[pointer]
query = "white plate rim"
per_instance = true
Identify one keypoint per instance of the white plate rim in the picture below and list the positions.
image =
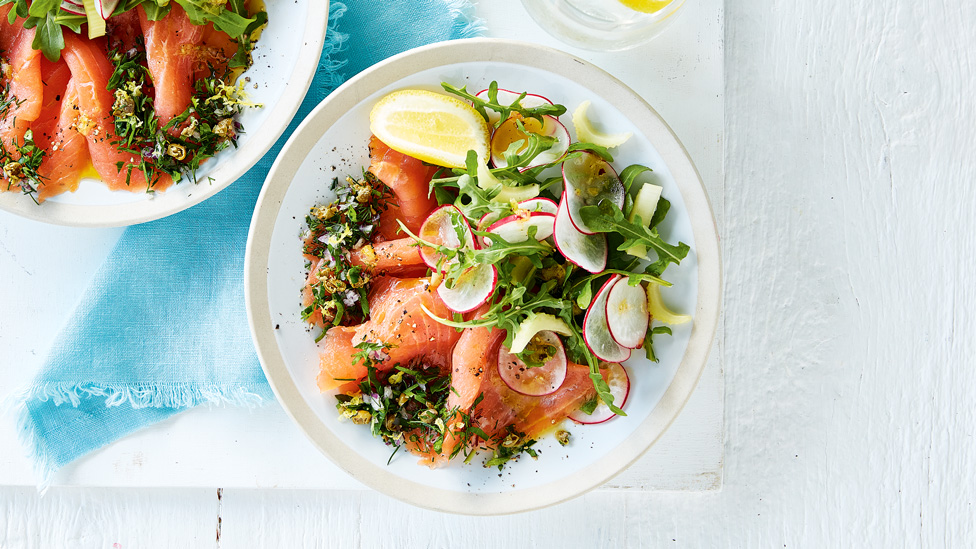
(258, 144)
(706, 245)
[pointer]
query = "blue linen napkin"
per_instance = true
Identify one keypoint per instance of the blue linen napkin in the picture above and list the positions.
(162, 327)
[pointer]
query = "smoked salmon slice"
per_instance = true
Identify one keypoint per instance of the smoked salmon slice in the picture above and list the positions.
(54, 81)
(25, 92)
(8, 32)
(399, 257)
(476, 351)
(91, 69)
(396, 318)
(394, 257)
(409, 179)
(170, 44)
(532, 415)
(68, 153)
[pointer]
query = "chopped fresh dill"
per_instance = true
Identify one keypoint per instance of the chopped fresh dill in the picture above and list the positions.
(23, 171)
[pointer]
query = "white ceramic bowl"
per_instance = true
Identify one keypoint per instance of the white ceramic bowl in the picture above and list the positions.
(332, 142)
(285, 60)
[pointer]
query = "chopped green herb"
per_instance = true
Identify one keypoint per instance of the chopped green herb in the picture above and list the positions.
(23, 171)
(339, 288)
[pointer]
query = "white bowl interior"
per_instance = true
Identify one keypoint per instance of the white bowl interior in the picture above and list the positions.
(333, 143)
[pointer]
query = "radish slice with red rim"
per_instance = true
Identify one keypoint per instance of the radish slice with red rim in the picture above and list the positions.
(540, 204)
(73, 8)
(627, 315)
(587, 251)
(471, 289)
(619, 382)
(515, 228)
(508, 133)
(589, 180)
(105, 7)
(507, 97)
(441, 227)
(596, 332)
(540, 380)
(487, 220)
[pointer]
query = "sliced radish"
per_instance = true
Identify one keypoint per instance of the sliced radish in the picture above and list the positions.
(540, 204)
(104, 8)
(627, 315)
(587, 251)
(596, 332)
(619, 383)
(73, 8)
(440, 228)
(538, 381)
(508, 133)
(515, 228)
(487, 220)
(589, 180)
(506, 98)
(471, 289)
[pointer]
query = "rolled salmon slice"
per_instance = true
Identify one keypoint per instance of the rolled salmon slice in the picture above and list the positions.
(54, 81)
(25, 90)
(475, 351)
(396, 318)
(68, 155)
(409, 179)
(91, 69)
(170, 55)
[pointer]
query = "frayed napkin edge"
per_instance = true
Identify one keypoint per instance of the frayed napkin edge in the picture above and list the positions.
(177, 395)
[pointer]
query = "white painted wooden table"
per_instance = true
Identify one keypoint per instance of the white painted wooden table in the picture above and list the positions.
(846, 211)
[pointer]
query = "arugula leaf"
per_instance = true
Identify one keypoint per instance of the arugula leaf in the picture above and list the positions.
(607, 218)
(585, 296)
(48, 38)
(505, 111)
(663, 205)
(630, 173)
(649, 341)
(40, 8)
(202, 12)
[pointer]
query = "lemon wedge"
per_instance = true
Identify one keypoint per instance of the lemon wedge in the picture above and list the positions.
(660, 311)
(430, 126)
(587, 133)
(646, 6)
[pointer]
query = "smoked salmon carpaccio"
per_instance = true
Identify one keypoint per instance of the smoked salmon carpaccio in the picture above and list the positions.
(71, 115)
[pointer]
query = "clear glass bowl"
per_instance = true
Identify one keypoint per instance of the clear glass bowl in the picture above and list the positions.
(603, 25)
